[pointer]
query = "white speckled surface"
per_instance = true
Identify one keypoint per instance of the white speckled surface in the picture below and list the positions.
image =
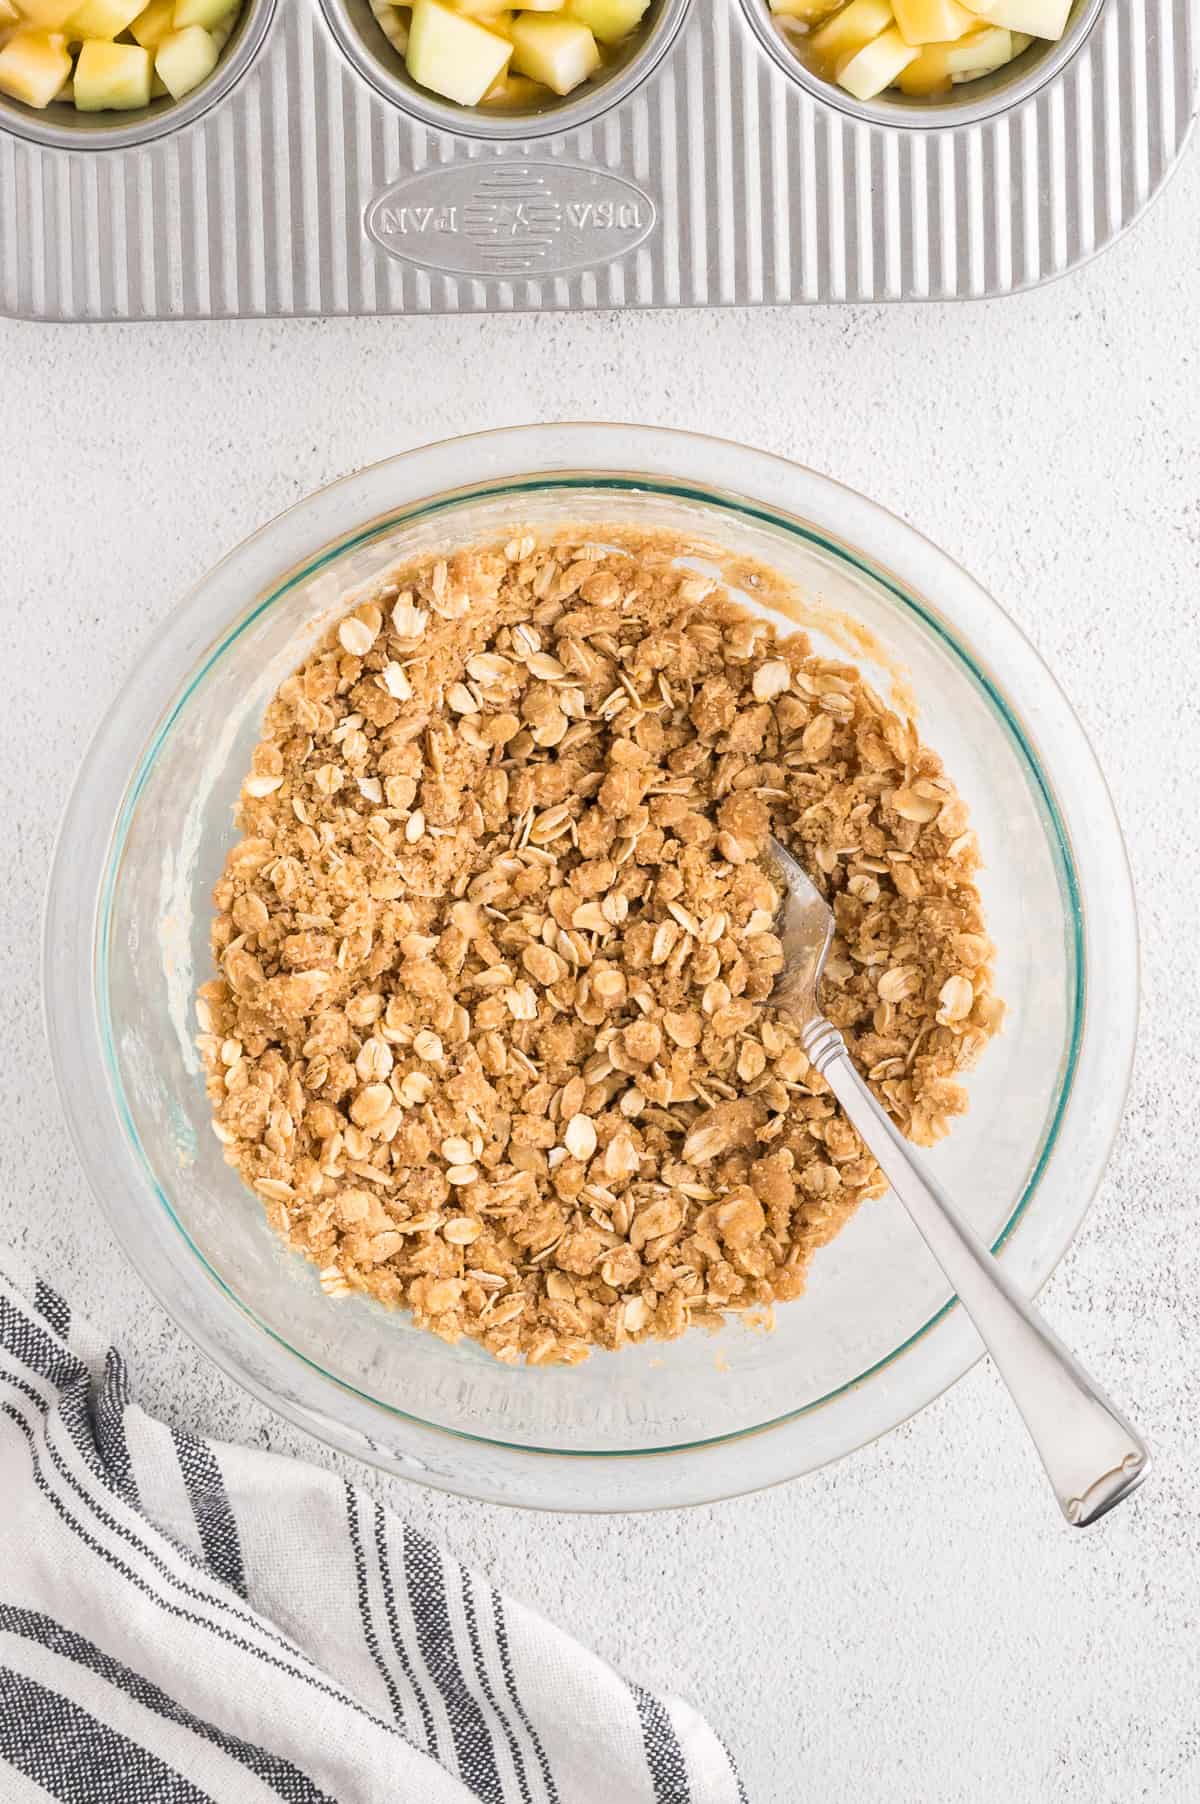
(914, 1626)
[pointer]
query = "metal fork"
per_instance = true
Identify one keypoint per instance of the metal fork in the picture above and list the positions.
(1093, 1457)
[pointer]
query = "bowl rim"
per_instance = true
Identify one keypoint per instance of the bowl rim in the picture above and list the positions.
(591, 102)
(1004, 97)
(92, 802)
(149, 126)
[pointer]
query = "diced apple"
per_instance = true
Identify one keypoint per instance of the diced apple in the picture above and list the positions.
(103, 18)
(849, 30)
(512, 91)
(807, 11)
(875, 67)
(927, 74)
(452, 55)
(1040, 18)
(979, 53)
(932, 21)
(199, 12)
(609, 21)
(185, 59)
(33, 67)
(996, 61)
(112, 77)
(154, 23)
(560, 53)
(495, 21)
(43, 15)
(939, 65)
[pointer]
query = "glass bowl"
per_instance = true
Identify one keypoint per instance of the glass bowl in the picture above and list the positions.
(875, 1338)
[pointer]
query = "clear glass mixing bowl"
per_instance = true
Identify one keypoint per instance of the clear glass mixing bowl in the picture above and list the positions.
(875, 1338)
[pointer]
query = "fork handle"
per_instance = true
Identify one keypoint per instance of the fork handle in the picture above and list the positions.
(1092, 1455)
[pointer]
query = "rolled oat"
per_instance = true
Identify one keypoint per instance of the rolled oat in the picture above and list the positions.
(491, 1038)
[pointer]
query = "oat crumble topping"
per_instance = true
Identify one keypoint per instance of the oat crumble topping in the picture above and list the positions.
(491, 1038)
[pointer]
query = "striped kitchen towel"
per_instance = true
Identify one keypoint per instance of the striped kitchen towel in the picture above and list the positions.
(184, 1621)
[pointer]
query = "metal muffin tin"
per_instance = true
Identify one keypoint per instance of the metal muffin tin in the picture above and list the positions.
(306, 190)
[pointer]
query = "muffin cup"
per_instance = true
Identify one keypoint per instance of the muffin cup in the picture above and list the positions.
(60, 127)
(970, 103)
(361, 39)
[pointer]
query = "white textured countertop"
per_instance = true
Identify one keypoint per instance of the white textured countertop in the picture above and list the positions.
(914, 1626)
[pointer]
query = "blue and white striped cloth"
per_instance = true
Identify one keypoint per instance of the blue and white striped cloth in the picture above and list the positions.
(184, 1622)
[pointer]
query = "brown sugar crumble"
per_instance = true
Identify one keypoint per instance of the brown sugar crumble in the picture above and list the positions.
(491, 1038)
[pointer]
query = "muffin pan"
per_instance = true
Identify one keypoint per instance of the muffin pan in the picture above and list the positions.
(701, 174)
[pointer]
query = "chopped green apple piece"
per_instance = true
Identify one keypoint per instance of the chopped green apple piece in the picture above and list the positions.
(42, 15)
(103, 18)
(112, 76)
(154, 23)
(199, 12)
(939, 65)
(847, 31)
(932, 21)
(980, 53)
(1039, 18)
(185, 59)
(452, 55)
(806, 11)
(609, 21)
(927, 74)
(560, 53)
(33, 67)
(875, 67)
(393, 24)
(513, 91)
